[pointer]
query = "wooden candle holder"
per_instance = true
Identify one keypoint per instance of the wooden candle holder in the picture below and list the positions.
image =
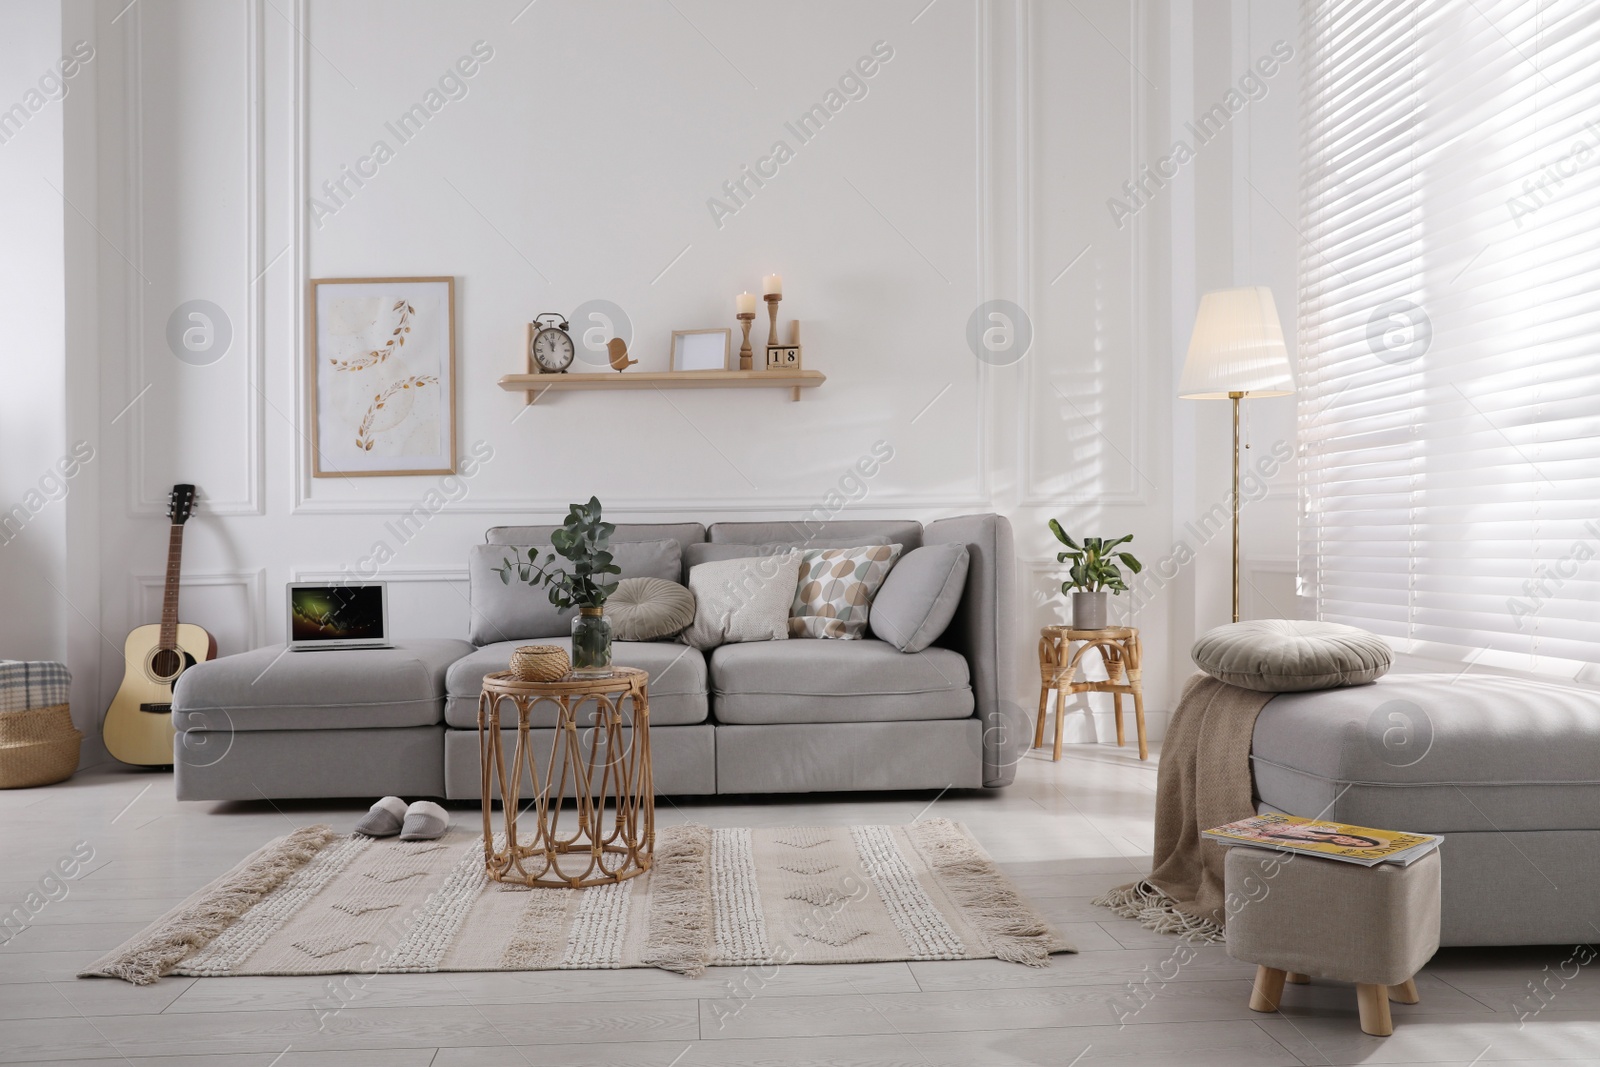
(772, 300)
(746, 318)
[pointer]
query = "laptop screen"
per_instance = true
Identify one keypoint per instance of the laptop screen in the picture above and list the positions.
(336, 613)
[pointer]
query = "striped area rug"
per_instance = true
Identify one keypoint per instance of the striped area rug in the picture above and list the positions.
(316, 903)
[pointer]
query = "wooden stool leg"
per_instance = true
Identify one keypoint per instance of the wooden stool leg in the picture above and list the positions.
(1296, 978)
(1267, 992)
(1116, 707)
(1061, 720)
(1044, 706)
(1405, 992)
(1373, 1001)
(1138, 721)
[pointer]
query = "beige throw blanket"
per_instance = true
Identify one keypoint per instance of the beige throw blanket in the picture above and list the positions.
(1204, 781)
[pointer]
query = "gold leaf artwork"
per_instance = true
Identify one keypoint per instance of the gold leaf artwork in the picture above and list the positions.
(397, 339)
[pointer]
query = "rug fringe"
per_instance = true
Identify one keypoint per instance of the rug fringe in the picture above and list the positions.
(988, 900)
(193, 925)
(1156, 911)
(680, 901)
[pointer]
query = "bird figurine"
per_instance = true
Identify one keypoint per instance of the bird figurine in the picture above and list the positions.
(618, 350)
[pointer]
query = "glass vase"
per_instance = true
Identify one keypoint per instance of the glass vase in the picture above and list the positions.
(591, 644)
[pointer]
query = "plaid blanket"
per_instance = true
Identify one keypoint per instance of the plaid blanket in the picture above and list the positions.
(32, 684)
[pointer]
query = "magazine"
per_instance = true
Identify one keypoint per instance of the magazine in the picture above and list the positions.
(1330, 840)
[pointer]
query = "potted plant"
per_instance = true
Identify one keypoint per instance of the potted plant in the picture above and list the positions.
(1094, 571)
(582, 542)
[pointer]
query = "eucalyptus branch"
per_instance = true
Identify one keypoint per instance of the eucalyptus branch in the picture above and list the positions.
(582, 541)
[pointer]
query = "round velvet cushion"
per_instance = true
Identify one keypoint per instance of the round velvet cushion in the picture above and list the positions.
(1288, 656)
(648, 609)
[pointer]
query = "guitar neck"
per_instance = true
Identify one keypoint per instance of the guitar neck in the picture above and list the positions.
(169, 600)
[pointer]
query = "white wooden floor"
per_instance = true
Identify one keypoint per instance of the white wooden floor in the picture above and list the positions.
(1064, 832)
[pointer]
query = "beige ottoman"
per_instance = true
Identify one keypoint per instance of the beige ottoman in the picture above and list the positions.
(1295, 915)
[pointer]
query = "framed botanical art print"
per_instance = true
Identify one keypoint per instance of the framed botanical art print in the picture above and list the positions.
(383, 376)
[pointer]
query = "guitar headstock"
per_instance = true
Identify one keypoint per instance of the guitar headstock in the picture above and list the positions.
(180, 504)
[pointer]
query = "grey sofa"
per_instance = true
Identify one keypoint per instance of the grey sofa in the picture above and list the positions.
(1503, 768)
(782, 716)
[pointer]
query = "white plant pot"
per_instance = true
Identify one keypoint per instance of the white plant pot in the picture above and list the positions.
(1089, 610)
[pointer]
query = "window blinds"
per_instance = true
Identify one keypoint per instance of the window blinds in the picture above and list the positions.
(1449, 322)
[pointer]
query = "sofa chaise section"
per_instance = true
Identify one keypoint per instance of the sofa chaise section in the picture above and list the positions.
(276, 724)
(1508, 770)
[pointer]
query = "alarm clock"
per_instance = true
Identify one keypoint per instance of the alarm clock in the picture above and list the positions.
(550, 348)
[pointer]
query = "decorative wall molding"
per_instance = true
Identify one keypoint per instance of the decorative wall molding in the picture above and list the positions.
(1135, 492)
(253, 336)
(932, 505)
(451, 575)
(254, 584)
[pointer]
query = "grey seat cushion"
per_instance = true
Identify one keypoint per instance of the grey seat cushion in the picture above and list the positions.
(1435, 753)
(1291, 656)
(920, 596)
(677, 680)
(340, 689)
(836, 681)
(504, 611)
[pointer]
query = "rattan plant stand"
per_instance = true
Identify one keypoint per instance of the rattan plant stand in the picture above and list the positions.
(1058, 670)
(599, 757)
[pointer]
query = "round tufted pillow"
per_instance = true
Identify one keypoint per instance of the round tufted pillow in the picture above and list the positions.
(648, 609)
(1288, 656)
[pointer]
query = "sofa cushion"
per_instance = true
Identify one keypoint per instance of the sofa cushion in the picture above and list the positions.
(836, 681)
(503, 611)
(1291, 655)
(677, 680)
(649, 609)
(920, 596)
(1435, 753)
(844, 533)
(742, 600)
(326, 689)
(836, 590)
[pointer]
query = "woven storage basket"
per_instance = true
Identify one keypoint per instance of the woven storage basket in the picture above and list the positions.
(37, 746)
(540, 663)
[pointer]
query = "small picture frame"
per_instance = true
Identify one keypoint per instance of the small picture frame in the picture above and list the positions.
(702, 349)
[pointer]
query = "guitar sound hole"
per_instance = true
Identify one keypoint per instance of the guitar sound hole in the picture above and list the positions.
(166, 663)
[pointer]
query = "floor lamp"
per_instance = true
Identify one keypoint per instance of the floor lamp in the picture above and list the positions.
(1235, 353)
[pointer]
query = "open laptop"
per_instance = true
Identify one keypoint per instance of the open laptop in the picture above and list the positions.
(338, 615)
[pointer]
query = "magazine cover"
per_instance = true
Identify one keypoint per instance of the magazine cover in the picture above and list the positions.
(1331, 840)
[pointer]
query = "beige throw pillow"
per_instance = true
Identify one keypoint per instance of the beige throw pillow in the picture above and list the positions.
(836, 588)
(649, 609)
(742, 600)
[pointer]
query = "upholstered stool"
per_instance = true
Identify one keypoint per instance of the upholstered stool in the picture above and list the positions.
(1298, 915)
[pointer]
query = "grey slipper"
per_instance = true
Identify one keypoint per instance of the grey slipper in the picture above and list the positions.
(384, 819)
(425, 821)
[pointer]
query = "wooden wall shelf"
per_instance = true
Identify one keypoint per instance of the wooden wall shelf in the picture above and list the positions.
(537, 385)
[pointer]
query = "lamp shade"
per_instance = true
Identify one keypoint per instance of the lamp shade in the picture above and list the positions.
(1237, 347)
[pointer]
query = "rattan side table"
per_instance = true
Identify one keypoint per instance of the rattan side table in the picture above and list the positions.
(1058, 670)
(599, 756)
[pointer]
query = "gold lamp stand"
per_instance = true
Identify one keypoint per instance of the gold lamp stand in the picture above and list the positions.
(1236, 352)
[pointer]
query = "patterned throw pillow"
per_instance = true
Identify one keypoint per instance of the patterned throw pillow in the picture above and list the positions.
(836, 590)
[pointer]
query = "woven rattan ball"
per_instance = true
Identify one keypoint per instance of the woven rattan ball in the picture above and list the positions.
(540, 663)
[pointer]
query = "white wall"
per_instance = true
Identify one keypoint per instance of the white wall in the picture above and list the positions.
(32, 335)
(578, 165)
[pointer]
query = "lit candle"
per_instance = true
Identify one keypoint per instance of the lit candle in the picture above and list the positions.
(772, 285)
(747, 303)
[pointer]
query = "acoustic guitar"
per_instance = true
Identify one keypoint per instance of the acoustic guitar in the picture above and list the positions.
(138, 726)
